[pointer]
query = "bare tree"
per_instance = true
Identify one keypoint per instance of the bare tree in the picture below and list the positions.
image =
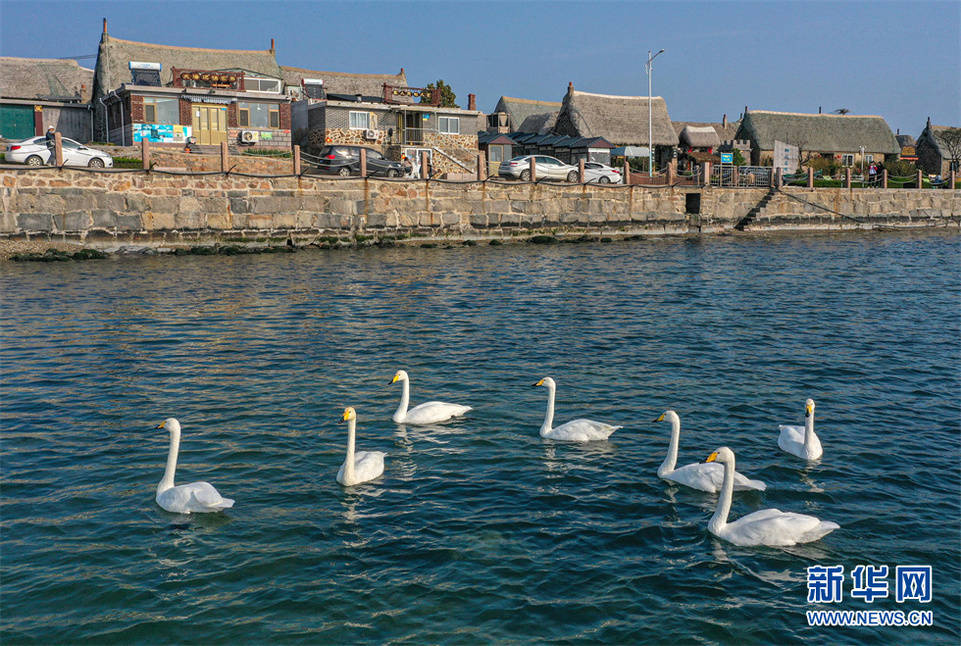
(951, 142)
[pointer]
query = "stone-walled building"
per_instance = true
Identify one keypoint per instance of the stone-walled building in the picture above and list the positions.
(39, 92)
(166, 94)
(844, 138)
(621, 120)
(934, 156)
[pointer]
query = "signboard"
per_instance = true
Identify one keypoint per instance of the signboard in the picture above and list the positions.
(727, 158)
(785, 157)
(160, 133)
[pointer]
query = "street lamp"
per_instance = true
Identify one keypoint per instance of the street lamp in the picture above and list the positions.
(650, 112)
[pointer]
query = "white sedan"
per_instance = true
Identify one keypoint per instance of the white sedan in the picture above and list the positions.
(602, 174)
(34, 152)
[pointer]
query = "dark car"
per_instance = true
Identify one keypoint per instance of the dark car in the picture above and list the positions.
(345, 160)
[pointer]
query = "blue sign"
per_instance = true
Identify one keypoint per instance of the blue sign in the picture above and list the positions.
(727, 158)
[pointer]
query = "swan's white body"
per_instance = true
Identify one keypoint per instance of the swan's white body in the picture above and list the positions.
(578, 430)
(801, 440)
(697, 475)
(358, 466)
(196, 497)
(426, 413)
(771, 527)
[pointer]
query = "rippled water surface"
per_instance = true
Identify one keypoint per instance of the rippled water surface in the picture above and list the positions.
(479, 531)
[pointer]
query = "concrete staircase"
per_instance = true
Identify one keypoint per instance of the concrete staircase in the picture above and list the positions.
(753, 213)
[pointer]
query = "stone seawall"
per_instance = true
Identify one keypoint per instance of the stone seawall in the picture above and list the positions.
(52, 208)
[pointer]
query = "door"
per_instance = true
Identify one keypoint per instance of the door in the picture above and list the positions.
(74, 154)
(413, 128)
(210, 124)
(16, 122)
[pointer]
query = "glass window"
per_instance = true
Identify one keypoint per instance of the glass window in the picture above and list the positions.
(847, 160)
(449, 125)
(359, 120)
(258, 115)
(496, 153)
(258, 84)
(869, 158)
(156, 110)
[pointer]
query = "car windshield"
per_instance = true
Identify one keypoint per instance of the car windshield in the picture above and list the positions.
(592, 165)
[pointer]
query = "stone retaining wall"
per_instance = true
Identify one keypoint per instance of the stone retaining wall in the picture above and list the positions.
(104, 209)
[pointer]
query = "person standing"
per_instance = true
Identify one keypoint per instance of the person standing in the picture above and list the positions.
(51, 141)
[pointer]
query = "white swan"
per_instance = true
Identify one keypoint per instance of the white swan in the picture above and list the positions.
(196, 497)
(426, 413)
(697, 475)
(771, 527)
(578, 430)
(801, 440)
(359, 466)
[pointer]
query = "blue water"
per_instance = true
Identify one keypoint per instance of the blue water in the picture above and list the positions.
(479, 531)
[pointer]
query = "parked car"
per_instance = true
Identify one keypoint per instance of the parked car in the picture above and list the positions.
(34, 152)
(546, 168)
(601, 173)
(345, 161)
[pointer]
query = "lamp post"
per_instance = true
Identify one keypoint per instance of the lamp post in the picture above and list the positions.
(650, 112)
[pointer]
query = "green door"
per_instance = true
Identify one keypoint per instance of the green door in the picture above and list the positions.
(16, 122)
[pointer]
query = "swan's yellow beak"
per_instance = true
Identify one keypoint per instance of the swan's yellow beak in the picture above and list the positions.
(539, 383)
(660, 419)
(808, 410)
(394, 380)
(348, 412)
(712, 457)
(161, 425)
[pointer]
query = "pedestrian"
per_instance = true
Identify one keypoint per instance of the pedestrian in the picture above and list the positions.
(414, 168)
(872, 172)
(51, 141)
(408, 167)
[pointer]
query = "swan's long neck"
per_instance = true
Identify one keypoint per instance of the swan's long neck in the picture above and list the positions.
(168, 479)
(351, 439)
(808, 431)
(719, 520)
(670, 461)
(549, 415)
(401, 411)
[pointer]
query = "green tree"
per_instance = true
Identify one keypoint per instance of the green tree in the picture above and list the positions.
(447, 96)
(739, 158)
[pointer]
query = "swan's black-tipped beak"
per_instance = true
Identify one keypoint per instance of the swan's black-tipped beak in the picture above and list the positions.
(711, 458)
(160, 425)
(660, 418)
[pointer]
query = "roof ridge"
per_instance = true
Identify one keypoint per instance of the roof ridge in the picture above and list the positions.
(192, 49)
(537, 101)
(815, 114)
(616, 96)
(366, 74)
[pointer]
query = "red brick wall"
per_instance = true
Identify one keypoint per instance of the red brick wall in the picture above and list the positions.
(285, 116)
(136, 109)
(186, 116)
(232, 115)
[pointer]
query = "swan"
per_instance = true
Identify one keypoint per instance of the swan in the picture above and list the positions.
(771, 527)
(199, 497)
(578, 430)
(801, 441)
(359, 466)
(697, 475)
(426, 413)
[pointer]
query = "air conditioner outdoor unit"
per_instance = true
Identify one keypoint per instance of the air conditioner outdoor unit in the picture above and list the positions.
(249, 136)
(370, 134)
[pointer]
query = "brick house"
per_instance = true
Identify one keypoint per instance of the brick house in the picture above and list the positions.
(165, 94)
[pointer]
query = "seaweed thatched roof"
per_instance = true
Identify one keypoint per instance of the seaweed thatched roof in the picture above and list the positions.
(50, 79)
(622, 120)
(818, 132)
(699, 137)
(539, 123)
(343, 82)
(518, 110)
(932, 135)
(114, 56)
(724, 132)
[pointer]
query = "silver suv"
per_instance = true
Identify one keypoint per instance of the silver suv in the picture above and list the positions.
(546, 168)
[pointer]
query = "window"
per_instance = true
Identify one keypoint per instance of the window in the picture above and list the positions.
(359, 120)
(847, 160)
(258, 84)
(869, 158)
(496, 153)
(449, 125)
(161, 110)
(258, 115)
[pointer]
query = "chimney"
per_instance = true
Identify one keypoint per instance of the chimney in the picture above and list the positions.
(899, 131)
(929, 122)
(104, 26)
(402, 71)
(271, 45)
(724, 121)
(745, 111)
(570, 87)
(819, 109)
(471, 102)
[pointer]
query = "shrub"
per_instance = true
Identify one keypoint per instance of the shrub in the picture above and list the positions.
(901, 168)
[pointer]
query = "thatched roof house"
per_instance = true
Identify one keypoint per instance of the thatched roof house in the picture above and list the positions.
(621, 120)
(934, 152)
(699, 137)
(539, 123)
(518, 110)
(47, 79)
(344, 83)
(726, 130)
(830, 134)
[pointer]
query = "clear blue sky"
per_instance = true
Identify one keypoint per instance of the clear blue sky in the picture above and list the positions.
(901, 60)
